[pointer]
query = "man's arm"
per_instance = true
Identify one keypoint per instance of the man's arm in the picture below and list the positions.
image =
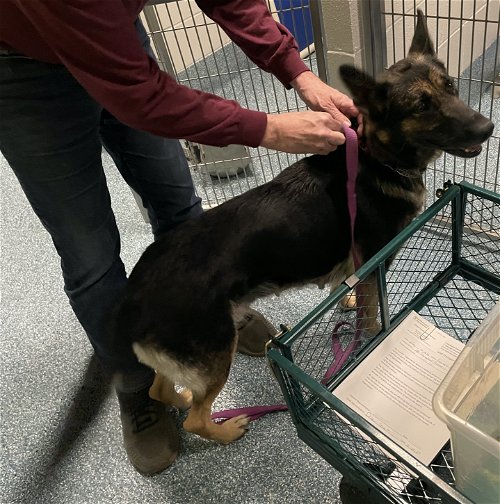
(96, 40)
(250, 25)
(271, 46)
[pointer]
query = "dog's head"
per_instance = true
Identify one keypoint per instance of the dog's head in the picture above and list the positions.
(415, 103)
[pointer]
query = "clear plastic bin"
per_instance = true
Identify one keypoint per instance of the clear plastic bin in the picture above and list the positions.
(468, 401)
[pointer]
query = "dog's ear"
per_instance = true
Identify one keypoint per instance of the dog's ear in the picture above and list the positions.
(368, 95)
(421, 43)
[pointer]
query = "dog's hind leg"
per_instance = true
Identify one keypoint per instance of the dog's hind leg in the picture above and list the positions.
(163, 390)
(199, 419)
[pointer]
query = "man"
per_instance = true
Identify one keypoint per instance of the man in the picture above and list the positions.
(76, 75)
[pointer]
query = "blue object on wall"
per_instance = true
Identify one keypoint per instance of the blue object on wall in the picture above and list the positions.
(296, 16)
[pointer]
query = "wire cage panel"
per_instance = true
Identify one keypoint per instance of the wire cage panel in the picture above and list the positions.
(201, 56)
(448, 270)
(467, 39)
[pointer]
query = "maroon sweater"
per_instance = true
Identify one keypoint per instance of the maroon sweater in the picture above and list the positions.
(97, 42)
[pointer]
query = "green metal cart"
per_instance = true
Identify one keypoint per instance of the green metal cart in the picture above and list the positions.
(448, 270)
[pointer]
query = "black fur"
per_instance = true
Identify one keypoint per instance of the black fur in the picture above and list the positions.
(295, 228)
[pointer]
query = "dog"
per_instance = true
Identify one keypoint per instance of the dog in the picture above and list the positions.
(179, 305)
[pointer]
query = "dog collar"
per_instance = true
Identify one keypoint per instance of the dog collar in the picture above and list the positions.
(402, 172)
(363, 145)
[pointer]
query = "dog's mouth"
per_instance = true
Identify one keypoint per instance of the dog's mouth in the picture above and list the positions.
(468, 152)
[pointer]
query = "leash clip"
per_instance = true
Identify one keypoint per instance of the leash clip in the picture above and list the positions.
(352, 281)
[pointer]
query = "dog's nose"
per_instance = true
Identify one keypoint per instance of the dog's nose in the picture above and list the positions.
(482, 128)
(488, 130)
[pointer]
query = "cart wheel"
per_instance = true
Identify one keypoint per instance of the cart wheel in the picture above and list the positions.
(357, 493)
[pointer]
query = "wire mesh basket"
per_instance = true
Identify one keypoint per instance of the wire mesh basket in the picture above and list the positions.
(447, 268)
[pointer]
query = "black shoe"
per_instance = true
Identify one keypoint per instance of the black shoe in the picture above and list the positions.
(150, 434)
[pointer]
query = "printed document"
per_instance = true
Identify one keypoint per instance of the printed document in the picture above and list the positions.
(393, 387)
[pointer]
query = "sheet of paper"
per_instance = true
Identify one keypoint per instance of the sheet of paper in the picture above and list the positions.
(393, 387)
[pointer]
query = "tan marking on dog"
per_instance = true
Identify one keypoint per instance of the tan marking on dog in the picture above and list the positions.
(163, 390)
(420, 87)
(383, 136)
(436, 77)
(411, 125)
(199, 419)
(416, 196)
(367, 303)
(418, 58)
(169, 367)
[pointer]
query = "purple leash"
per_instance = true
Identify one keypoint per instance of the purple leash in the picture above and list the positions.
(340, 355)
(351, 140)
(254, 412)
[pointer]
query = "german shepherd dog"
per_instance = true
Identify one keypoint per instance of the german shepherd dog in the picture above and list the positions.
(178, 307)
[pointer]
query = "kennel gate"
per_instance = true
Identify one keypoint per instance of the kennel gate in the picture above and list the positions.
(195, 50)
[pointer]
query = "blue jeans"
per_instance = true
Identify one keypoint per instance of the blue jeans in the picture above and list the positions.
(52, 133)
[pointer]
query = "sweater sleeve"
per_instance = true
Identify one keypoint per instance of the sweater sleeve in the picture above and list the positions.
(97, 42)
(266, 42)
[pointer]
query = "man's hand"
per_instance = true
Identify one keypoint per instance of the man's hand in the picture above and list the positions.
(303, 133)
(321, 97)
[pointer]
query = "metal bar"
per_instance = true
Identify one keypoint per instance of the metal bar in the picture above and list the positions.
(474, 176)
(479, 275)
(457, 225)
(486, 15)
(393, 33)
(378, 36)
(157, 38)
(383, 301)
(318, 31)
(286, 382)
(481, 192)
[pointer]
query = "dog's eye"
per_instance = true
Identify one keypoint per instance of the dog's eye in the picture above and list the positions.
(449, 85)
